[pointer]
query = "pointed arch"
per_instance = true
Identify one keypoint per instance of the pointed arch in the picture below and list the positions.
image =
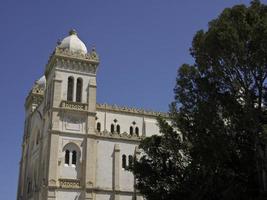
(137, 131)
(131, 130)
(118, 129)
(98, 126)
(70, 88)
(112, 128)
(124, 161)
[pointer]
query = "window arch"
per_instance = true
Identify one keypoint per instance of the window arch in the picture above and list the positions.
(98, 126)
(131, 130)
(118, 129)
(124, 161)
(72, 154)
(112, 128)
(67, 157)
(74, 158)
(70, 88)
(137, 131)
(79, 87)
(130, 160)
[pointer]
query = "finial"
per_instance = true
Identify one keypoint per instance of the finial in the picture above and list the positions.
(93, 48)
(72, 32)
(58, 41)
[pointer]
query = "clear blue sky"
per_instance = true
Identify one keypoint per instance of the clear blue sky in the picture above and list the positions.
(141, 44)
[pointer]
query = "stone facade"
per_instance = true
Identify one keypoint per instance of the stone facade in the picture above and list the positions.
(74, 148)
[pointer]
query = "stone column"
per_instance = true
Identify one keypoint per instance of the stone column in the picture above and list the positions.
(54, 137)
(116, 171)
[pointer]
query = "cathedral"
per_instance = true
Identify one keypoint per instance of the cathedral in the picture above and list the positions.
(74, 148)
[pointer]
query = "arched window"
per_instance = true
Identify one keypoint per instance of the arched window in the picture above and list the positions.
(67, 157)
(98, 126)
(124, 161)
(130, 160)
(79, 87)
(29, 187)
(118, 128)
(74, 158)
(37, 138)
(70, 89)
(112, 128)
(131, 130)
(137, 131)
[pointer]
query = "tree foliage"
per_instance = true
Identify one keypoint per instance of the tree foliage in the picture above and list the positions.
(219, 110)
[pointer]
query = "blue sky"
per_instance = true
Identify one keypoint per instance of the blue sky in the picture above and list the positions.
(141, 44)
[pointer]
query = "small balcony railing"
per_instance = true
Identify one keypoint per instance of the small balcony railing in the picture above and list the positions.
(74, 105)
(69, 183)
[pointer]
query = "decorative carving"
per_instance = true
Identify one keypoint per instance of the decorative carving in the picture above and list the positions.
(130, 110)
(52, 182)
(74, 105)
(69, 183)
(123, 135)
(73, 60)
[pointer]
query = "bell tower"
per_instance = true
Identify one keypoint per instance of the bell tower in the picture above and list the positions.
(69, 115)
(70, 107)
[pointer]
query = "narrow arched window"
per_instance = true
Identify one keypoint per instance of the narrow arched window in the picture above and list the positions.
(79, 90)
(67, 157)
(124, 161)
(131, 130)
(112, 128)
(70, 89)
(29, 187)
(130, 160)
(37, 138)
(74, 158)
(118, 128)
(98, 126)
(137, 131)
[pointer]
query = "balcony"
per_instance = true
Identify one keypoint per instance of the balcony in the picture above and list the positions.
(74, 105)
(69, 183)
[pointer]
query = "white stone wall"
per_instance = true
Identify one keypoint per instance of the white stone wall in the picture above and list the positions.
(147, 125)
(68, 195)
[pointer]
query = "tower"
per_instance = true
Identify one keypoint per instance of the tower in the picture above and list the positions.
(68, 92)
(74, 148)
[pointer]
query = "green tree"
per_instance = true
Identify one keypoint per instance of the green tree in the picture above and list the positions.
(219, 110)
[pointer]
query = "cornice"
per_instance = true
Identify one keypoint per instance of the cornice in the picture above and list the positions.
(74, 61)
(128, 110)
(102, 135)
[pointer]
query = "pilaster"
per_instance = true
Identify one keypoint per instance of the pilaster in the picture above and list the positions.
(53, 160)
(116, 171)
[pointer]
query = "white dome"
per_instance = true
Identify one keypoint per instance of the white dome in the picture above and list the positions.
(73, 43)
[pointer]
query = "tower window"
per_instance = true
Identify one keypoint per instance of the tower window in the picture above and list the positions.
(137, 131)
(67, 157)
(131, 130)
(118, 129)
(130, 160)
(124, 161)
(74, 157)
(98, 126)
(112, 128)
(70, 89)
(79, 90)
